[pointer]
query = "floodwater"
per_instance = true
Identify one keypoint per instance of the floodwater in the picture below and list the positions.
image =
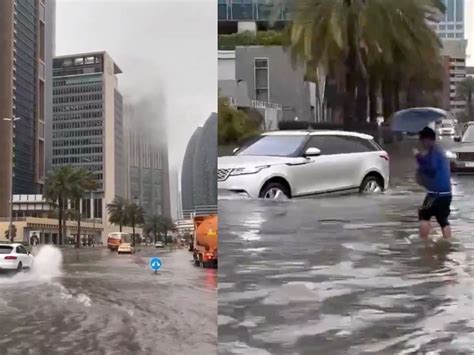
(346, 275)
(97, 302)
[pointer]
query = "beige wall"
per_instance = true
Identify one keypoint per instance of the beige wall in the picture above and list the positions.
(49, 225)
(6, 102)
(110, 83)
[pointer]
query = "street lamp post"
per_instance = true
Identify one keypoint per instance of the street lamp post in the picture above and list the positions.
(12, 121)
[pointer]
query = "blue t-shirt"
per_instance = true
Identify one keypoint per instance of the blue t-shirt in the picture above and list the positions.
(434, 167)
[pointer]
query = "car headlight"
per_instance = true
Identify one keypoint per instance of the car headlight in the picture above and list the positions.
(248, 171)
(451, 155)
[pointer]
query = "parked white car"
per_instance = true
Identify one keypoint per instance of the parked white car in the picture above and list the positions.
(461, 156)
(447, 128)
(15, 257)
(159, 244)
(287, 164)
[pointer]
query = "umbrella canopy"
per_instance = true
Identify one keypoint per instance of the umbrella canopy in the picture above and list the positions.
(413, 120)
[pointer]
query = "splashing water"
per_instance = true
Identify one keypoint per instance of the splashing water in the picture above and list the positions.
(48, 263)
(46, 266)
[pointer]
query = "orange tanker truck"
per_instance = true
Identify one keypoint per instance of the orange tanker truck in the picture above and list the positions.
(205, 241)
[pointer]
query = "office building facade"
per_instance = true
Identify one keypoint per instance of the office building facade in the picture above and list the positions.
(453, 54)
(251, 15)
(87, 129)
(24, 57)
(199, 171)
(451, 23)
(148, 168)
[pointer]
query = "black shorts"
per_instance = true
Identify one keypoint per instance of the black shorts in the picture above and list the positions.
(436, 206)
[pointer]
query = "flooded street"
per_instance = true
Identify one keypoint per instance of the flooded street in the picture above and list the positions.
(104, 303)
(346, 275)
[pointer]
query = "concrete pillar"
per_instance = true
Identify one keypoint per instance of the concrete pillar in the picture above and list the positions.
(6, 103)
(92, 208)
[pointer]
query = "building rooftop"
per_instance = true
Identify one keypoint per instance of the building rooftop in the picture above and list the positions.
(117, 69)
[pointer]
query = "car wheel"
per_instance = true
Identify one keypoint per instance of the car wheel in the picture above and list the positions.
(371, 185)
(19, 267)
(275, 191)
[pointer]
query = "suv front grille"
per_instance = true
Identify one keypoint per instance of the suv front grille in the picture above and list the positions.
(223, 174)
(466, 156)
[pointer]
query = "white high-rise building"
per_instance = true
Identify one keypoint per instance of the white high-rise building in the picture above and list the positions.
(87, 128)
(451, 23)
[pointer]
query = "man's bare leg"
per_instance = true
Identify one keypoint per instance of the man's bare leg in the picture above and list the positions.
(425, 228)
(446, 232)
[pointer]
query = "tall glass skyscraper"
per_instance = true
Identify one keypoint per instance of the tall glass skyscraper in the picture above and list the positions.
(451, 24)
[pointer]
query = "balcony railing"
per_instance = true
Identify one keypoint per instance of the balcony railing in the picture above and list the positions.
(265, 105)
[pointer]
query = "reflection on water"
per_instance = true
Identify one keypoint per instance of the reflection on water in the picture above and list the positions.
(345, 275)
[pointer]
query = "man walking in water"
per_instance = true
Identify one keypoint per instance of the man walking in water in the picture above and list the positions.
(435, 176)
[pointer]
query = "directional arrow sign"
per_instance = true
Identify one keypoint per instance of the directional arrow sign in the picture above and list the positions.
(155, 264)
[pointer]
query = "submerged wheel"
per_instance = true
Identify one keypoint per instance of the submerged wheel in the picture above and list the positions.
(19, 267)
(371, 185)
(275, 191)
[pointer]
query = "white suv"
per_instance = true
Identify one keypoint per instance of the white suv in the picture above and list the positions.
(286, 164)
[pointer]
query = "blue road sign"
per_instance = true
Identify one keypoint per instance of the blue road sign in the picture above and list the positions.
(155, 264)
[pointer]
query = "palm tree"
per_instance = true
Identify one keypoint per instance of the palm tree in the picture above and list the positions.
(61, 185)
(86, 183)
(465, 89)
(117, 212)
(135, 216)
(166, 225)
(360, 36)
(152, 225)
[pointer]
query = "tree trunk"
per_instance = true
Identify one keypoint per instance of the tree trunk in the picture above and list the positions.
(373, 99)
(133, 233)
(469, 104)
(60, 221)
(387, 95)
(362, 100)
(396, 96)
(78, 239)
(351, 70)
(120, 227)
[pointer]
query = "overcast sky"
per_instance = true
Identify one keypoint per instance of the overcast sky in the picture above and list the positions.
(167, 49)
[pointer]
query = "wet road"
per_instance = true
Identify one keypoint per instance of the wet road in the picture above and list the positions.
(104, 303)
(346, 275)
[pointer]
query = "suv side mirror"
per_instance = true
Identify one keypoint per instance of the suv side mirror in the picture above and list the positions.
(457, 139)
(312, 152)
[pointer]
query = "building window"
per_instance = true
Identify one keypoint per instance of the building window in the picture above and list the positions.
(42, 13)
(242, 10)
(262, 79)
(41, 71)
(459, 10)
(222, 9)
(265, 11)
(450, 10)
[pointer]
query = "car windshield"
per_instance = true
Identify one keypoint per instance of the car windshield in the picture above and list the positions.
(5, 249)
(278, 146)
(468, 136)
(446, 125)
